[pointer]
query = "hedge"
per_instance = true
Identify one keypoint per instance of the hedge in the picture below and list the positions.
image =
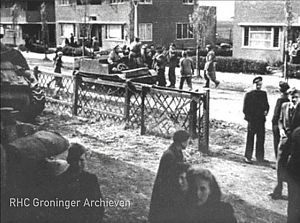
(74, 51)
(294, 70)
(237, 65)
(203, 53)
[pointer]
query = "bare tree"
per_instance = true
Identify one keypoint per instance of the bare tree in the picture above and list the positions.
(45, 31)
(15, 13)
(289, 20)
(199, 21)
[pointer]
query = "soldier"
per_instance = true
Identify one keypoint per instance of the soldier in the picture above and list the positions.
(285, 130)
(172, 58)
(256, 107)
(160, 65)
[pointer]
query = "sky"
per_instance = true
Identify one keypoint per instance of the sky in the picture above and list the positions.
(225, 9)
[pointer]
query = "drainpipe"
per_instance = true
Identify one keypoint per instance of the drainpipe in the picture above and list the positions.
(135, 4)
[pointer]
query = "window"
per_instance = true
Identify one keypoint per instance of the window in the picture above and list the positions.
(64, 2)
(145, 2)
(184, 31)
(66, 30)
(116, 1)
(33, 6)
(261, 36)
(188, 2)
(145, 31)
(114, 32)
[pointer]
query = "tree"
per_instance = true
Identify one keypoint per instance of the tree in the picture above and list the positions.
(200, 22)
(289, 20)
(45, 31)
(15, 13)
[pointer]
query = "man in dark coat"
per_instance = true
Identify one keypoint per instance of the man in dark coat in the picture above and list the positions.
(285, 129)
(166, 187)
(293, 168)
(256, 107)
(283, 98)
(77, 184)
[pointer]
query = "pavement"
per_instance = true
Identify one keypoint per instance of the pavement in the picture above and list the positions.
(226, 101)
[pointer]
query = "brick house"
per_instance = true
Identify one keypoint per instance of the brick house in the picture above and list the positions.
(28, 20)
(258, 31)
(112, 21)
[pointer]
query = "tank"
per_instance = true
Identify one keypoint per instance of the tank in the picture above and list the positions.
(19, 87)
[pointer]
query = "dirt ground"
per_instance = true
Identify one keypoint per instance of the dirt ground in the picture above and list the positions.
(126, 163)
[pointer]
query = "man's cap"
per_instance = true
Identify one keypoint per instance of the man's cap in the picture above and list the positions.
(283, 86)
(75, 152)
(257, 79)
(59, 53)
(209, 46)
(145, 46)
(293, 91)
(181, 136)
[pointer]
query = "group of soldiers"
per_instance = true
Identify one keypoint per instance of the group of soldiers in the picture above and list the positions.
(143, 55)
(286, 130)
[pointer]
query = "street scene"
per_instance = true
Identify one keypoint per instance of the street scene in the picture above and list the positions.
(150, 111)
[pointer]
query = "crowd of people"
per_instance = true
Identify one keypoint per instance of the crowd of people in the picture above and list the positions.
(143, 55)
(286, 128)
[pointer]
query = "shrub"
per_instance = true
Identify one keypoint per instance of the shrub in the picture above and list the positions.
(294, 70)
(74, 51)
(236, 65)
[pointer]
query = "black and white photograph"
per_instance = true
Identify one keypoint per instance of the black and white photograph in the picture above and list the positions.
(150, 111)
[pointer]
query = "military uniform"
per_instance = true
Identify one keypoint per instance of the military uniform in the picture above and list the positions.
(256, 107)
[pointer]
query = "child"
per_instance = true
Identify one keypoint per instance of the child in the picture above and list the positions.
(204, 199)
(186, 70)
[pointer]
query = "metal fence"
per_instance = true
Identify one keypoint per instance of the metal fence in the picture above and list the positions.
(157, 111)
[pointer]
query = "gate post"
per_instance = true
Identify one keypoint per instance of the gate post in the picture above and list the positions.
(127, 103)
(193, 117)
(143, 127)
(206, 119)
(75, 95)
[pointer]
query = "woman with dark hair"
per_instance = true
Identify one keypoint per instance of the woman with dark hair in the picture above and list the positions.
(204, 203)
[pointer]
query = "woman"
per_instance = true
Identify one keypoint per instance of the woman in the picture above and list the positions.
(204, 203)
(284, 97)
(167, 189)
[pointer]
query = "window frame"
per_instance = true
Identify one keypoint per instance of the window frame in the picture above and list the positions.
(189, 36)
(61, 29)
(146, 2)
(148, 23)
(64, 2)
(116, 2)
(107, 37)
(187, 2)
(271, 40)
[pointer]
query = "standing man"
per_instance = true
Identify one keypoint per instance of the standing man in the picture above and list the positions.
(166, 189)
(186, 70)
(160, 61)
(256, 107)
(284, 97)
(172, 58)
(210, 67)
(285, 130)
(72, 40)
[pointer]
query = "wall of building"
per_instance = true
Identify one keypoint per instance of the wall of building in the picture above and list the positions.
(260, 12)
(105, 13)
(164, 14)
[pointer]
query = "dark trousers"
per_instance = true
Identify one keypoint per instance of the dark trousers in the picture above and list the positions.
(293, 202)
(255, 128)
(282, 160)
(276, 138)
(172, 76)
(161, 77)
(188, 81)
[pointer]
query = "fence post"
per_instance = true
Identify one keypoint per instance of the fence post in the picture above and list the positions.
(206, 114)
(143, 128)
(75, 95)
(127, 103)
(193, 117)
